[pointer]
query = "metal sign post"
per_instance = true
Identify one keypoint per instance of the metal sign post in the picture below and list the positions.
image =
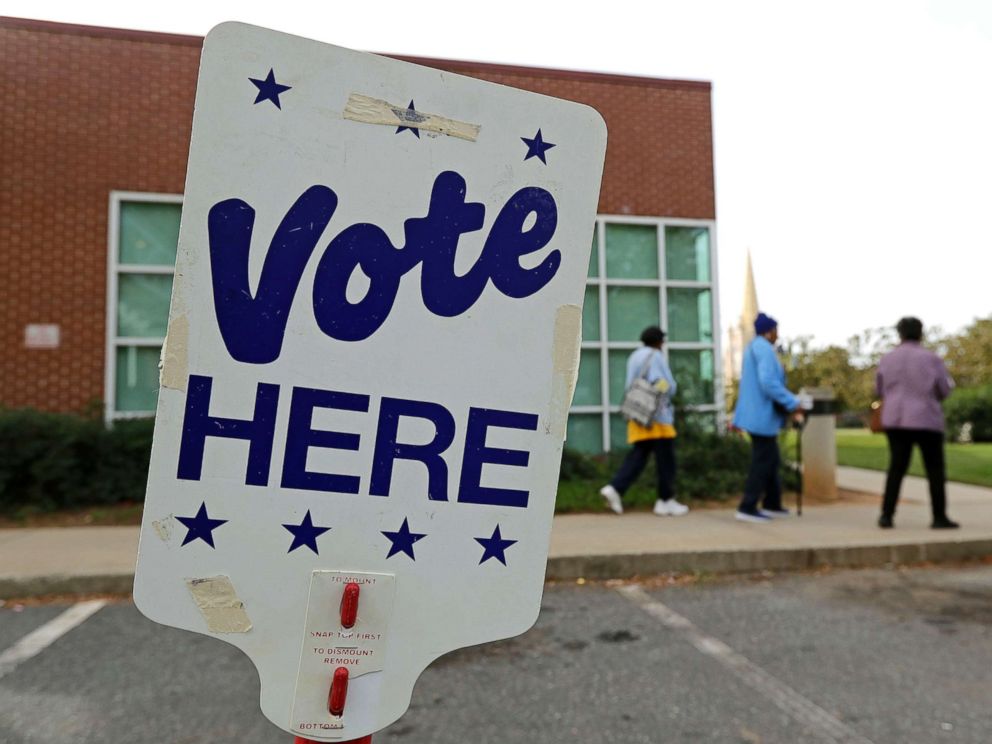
(373, 343)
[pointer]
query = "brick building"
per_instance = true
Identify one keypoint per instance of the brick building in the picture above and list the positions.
(95, 127)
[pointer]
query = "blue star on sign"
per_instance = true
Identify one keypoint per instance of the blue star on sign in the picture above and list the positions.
(403, 540)
(537, 147)
(494, 547)
(305, 533)
(415, 130)
(200, 527)
(269, 89)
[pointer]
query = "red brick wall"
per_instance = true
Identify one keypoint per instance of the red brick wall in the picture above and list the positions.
(80, 116)
(659, 154)
(85, 111)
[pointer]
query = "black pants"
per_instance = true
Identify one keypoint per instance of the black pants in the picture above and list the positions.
(637, 458)
(763, 476)
(901, 443)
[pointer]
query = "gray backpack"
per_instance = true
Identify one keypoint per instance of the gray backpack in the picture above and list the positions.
(642, 399)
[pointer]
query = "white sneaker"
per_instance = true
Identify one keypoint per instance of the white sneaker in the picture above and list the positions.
(670, 508)
(609, 493)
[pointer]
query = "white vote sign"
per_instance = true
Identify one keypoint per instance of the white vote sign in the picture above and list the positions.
(372, 347)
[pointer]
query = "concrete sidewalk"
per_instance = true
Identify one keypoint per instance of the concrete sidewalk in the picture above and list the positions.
(711, 540)
(75, 560)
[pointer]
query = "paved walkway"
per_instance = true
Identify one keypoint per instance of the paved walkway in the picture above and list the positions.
(711, 540)
(597, 546)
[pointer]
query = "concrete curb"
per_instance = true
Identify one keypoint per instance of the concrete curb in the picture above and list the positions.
(618, 566)
(626, 566)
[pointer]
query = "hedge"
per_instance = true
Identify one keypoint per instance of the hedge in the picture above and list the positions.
(970, 406)
(708, 467)
(54, 461)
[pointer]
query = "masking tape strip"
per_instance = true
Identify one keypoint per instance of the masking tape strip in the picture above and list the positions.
(219, 603)
(565, 363)
(174, 365)
(163, 528)
(374, 111)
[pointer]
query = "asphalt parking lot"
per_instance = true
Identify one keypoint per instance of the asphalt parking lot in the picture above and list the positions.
(878, 656)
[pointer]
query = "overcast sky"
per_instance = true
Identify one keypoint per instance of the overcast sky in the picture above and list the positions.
(853, 140)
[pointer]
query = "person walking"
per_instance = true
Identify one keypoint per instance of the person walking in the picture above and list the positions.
(657, 439)
(763, 405)
(912, 382)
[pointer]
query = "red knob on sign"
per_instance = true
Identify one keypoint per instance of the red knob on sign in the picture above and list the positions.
(349, 605)
(339, 691)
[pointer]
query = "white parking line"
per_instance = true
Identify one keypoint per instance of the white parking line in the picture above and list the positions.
(41, 638)
(802, 710)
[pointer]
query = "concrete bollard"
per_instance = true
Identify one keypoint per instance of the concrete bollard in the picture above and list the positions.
(819, 445)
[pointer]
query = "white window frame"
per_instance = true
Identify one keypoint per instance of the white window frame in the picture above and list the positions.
(662, 284)
(114, 269)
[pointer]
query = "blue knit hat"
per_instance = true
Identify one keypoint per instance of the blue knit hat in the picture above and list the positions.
(764, 323)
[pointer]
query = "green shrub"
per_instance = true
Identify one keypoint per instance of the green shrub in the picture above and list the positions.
(577, 466)
(787, 441)
(127, 448)
(708, 467)
(970, 406)
(54, 461)
(711, 466)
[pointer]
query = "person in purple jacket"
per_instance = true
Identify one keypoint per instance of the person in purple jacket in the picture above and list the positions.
(912, 382)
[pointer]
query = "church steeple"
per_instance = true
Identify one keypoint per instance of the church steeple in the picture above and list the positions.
(749, 309)
(740, 334)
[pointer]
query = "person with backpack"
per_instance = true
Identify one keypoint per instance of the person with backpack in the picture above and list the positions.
(656, 436)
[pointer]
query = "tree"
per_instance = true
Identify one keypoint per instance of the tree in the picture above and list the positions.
(969, 354)
(829, 367)
(850, 371)
(866, 348)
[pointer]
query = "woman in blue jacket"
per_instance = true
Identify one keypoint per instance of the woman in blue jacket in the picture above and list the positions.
(762, 386)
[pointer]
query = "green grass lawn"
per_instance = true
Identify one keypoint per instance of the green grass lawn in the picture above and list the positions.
(859, 448)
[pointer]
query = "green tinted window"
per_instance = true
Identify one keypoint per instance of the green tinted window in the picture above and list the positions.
(590, 315)
(631, 251)
(630, 285)
(693, 372)
(690, 314)
(594, 257)
(143, 304)
(137, 378)
(617, 361)
(618, 432)
(687, 253)
(629, 310)
(585, 432)
(587, 389)
(149, 233)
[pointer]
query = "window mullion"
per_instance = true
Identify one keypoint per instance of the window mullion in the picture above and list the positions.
(604, 367)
